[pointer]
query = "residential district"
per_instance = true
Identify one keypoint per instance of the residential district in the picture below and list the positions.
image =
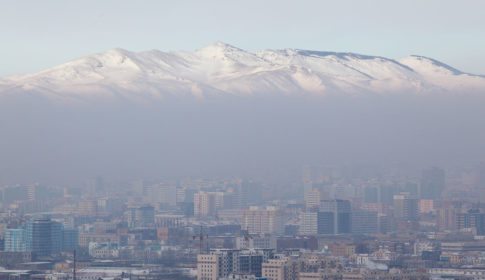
(326, 225)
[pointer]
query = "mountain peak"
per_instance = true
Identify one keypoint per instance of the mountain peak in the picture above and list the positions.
(222, 45)
(218, 49)
(118, 53)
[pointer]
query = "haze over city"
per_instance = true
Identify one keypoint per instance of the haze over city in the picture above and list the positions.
(242, 140)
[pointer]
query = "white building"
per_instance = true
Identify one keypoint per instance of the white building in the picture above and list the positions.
(206, 204)
(308, 223)
(104, 250)
(263, 241)
(269, 220)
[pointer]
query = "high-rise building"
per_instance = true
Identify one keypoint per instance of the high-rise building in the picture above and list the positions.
(232, 199)
(474, 219)
(446, 218)
(478, 180)
(326, 221)
(406, 207)
(386, 194)
(312, 199)
(219, 263)
(110, 205)
(371, 195)
(334, 217)
(426, 206)
(446, 215)
(15, 193)
(70, 239)
(43, 236)
(308, 223)
(412, 188)
(206, 204)
(95, 185)
(88, 207)
(163, 194)
(364, 222)
(432, 183)
(251, 261)
(207, 267)
(15, 240)
(142, 216)
(57, 237)
(267, 220)
(250, 193)
(385, 223)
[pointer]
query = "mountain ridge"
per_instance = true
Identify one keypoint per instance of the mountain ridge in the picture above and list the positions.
(223, 69)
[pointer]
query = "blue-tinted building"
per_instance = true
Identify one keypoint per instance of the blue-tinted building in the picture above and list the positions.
(334, 217)
(70, 239)
(142, 216)
(15, 240)
(43, 237)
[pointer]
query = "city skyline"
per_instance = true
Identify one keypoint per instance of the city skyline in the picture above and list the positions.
(242, 140)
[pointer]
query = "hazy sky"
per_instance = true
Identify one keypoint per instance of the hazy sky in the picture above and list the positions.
(40, 34)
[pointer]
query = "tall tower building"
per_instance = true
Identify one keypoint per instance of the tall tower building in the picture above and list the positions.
(473, 218)
(371, 194)
(447, 214)
(312, 199)
(335, 217)
(406, 207)
(145, 215)
(250, 193)
(364, 222)
(206, 204)
(432, 183)
(308, 223)
(142, 216)
(70, 239)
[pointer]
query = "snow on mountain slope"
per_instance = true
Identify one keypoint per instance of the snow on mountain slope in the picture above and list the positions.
(444, 76)
(346, 71)
(222, 69)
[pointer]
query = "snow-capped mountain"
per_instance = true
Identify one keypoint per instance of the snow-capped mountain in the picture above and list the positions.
(222, 69)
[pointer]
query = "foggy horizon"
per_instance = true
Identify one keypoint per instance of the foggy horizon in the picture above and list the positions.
(244, 137)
